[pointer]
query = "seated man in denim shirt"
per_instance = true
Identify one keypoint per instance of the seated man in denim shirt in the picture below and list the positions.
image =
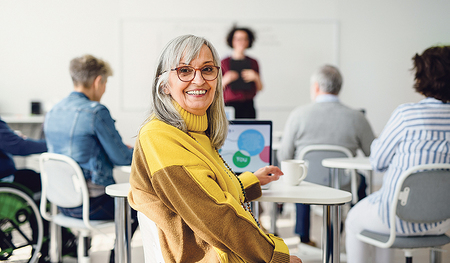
(81, 127)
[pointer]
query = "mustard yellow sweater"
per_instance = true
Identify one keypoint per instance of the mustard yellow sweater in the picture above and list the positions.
(183, 186)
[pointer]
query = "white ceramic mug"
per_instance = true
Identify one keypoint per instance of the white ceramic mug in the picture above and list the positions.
(294, 171)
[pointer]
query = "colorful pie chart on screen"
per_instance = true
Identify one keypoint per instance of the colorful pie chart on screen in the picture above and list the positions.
(247, 147)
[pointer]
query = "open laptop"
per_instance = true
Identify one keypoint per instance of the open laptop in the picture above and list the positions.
(248, 146)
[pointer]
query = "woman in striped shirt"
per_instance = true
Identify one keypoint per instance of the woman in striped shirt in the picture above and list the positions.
(416, 133)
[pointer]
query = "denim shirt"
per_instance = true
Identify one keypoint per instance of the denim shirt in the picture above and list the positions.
(84, 130)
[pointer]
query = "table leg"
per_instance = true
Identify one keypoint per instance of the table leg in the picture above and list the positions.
(331, 234)
(334, 178)
(255, 209)
(122, 219)
(273, 219)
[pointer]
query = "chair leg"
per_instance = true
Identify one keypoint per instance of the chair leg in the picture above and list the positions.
(55, 239)
(435, 255)
(55, 243)
(83, 248)
(408, 256)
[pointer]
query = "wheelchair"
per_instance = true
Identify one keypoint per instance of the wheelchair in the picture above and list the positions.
(21, 225)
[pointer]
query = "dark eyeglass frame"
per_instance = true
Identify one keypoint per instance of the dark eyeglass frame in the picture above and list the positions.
(177, 69)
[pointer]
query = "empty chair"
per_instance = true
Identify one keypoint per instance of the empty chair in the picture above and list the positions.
(421, 196)
(150, 240)
(64, 185)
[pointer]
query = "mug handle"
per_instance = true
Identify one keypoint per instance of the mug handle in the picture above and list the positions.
(304, 173)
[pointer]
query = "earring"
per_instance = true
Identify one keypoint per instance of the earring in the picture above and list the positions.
(166, 91)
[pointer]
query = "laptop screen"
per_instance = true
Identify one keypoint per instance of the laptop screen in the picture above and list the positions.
(248, 146)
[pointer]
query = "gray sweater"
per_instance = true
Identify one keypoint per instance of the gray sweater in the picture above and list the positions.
(325, 123)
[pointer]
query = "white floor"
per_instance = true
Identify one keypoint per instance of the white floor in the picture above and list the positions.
(102, 245)
(308, 254)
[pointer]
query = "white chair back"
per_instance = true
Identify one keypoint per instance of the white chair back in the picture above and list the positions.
(63, 180)
(64, 185)
(150, 240)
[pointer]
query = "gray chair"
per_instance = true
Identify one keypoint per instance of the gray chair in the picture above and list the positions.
(314, 154)
(421, 196)
(64, 185)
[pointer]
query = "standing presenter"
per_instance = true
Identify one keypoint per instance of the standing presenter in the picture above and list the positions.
(241, 80)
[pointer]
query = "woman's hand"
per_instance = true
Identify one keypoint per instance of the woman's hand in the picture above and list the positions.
(268, 174)
(295, 259)
(249, 75)
(229, 77)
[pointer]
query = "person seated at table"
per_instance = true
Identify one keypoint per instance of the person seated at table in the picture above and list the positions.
(325, 121)
(178, 178)
(12, 143)
(416, 133)
(80, 127)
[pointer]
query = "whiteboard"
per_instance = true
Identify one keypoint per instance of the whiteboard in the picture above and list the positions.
(288, 52)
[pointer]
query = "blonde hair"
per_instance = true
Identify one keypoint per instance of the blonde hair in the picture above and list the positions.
(187, 47)
(85, 69)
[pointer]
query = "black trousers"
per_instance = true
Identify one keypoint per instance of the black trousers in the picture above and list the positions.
(28, 178)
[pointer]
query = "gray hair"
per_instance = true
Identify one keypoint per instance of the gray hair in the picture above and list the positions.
(329, 79)
(187, 47)
(85, 69)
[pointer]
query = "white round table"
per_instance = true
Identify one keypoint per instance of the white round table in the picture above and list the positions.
(359, 163)
(309, 193)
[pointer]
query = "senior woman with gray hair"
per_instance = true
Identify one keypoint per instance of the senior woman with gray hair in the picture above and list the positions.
(178, 178)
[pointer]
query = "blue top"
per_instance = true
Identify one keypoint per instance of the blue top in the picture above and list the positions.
(84, 130)
(416, 133)
(12, 144)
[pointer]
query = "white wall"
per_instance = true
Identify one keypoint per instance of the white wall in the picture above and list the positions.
(377, 39)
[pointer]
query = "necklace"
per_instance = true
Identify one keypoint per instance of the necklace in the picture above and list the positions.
(245, 204)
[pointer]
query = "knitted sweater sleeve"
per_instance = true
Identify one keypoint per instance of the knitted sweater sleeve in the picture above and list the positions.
(180, 193)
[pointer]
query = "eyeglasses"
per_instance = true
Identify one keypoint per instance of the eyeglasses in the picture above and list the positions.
(187, 73)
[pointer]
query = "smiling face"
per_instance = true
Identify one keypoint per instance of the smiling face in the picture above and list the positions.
(198, 94)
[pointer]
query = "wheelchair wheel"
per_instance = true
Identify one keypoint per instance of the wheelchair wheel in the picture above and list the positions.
(21, 226)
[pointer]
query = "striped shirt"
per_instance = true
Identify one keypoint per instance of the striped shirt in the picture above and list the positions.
(416, 133)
